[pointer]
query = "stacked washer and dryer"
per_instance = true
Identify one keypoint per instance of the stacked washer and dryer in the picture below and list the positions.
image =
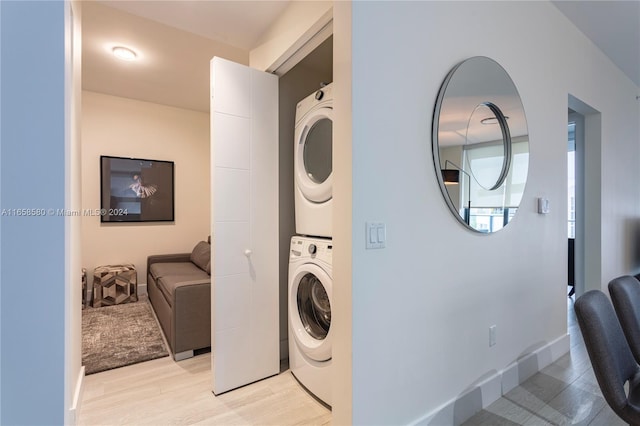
(310, 255)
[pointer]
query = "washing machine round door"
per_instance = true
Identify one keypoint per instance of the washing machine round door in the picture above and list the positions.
(310, 311)
(313, 159)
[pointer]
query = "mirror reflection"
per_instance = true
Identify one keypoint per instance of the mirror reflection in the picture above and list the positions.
(481, 144)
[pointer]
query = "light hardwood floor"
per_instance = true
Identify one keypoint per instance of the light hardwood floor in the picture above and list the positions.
(164, 392)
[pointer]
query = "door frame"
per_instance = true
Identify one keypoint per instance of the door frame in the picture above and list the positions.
(588, 245)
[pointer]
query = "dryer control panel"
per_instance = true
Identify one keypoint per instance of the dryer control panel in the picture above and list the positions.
(315, 100)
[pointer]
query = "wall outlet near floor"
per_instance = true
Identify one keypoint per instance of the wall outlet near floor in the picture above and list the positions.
(492, 335)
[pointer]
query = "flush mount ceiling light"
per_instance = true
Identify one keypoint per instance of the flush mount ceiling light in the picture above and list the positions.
(124, 53)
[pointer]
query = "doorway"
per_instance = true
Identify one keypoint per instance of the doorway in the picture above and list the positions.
(584, 217)
(233, 365)
(301, 80)
(575, 202)
(571, 204)
(575, 195)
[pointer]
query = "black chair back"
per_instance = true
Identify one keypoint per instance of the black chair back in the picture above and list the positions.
(625, 295)
(610, 355)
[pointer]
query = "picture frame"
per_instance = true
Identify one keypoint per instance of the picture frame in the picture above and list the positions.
(136, 190)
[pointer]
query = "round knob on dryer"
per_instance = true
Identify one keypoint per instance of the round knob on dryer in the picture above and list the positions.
(319, 95)
(312, 249)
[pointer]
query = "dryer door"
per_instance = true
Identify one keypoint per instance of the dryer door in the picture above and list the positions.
(313, 159)
(310, 311)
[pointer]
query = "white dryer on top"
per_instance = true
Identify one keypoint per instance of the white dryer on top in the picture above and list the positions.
(313, 164)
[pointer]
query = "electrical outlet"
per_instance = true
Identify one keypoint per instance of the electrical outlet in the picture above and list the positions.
(492, 335)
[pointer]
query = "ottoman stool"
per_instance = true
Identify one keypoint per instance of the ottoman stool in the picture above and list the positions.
(114, 284)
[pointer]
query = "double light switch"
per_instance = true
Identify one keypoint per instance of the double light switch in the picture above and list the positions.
(376, 235)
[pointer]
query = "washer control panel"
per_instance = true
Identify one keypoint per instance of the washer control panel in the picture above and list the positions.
(312, 248)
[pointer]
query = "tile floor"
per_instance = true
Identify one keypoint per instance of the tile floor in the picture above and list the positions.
(564, 393)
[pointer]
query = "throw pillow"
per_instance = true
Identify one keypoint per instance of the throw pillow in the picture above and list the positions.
(201, 255)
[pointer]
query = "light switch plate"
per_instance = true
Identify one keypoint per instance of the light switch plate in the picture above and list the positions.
(543, 205)
(375, 235)
(492, 335)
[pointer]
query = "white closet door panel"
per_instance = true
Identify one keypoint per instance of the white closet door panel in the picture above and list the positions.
(264, 127)
(232, 195)
(235, 357)
(232, 287)
(245, 284)
(234, 95)
(235, 131)
(234, 238)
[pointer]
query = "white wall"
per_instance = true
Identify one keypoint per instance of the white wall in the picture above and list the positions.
(129, 128)
(0, 224)
(285, 36)
(33, 140)
(74, 374)
(420, 316)
(341, 311)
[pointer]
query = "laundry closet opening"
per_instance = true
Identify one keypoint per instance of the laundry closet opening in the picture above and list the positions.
(306, 77)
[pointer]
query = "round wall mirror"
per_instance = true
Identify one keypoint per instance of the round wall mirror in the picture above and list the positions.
(480, 144)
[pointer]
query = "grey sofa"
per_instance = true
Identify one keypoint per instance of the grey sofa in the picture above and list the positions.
(179, 287)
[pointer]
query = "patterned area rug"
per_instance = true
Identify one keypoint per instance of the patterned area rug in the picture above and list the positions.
(119, 335)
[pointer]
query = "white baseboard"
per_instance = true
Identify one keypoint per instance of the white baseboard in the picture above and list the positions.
(77, 399)
(482, 394)
(142, 289)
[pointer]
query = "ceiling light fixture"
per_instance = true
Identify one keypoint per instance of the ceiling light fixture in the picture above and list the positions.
(124, 53)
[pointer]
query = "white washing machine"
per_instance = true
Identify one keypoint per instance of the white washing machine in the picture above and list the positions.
(313, 164)
(310, 288)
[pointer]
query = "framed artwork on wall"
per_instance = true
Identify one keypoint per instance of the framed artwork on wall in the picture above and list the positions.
(136, 190)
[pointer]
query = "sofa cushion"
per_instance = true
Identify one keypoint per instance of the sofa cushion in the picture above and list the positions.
(159, 270)
(168, 284)
(201, 255)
